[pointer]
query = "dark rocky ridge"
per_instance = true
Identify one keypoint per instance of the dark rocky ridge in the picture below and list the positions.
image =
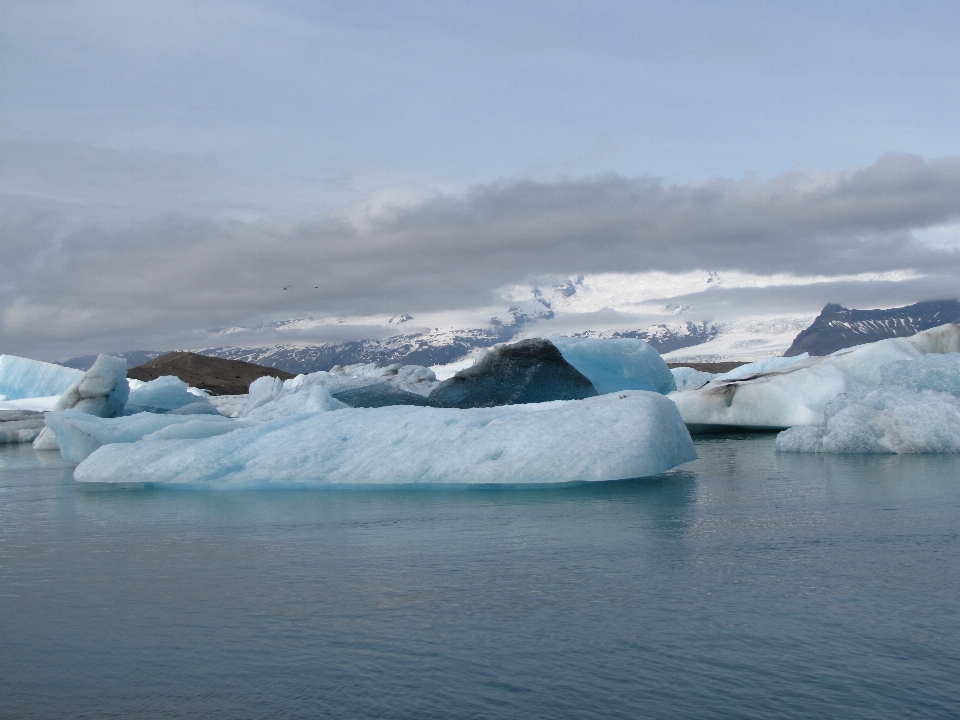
(838, 327)
(219, 376)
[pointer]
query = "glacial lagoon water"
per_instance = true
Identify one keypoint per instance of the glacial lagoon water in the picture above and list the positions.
(746, 584)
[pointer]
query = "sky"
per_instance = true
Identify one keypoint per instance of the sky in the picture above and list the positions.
(170, 167)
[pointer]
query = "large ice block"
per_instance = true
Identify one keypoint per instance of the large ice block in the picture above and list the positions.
(887, 419)
(24, 378)
(621, 435)
(101, 391)
(78, 434)
(798, 393)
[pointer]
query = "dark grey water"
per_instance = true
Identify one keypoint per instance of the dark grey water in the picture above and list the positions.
(748, 584)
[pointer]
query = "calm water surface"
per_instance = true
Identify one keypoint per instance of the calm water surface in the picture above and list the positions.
(747, 584)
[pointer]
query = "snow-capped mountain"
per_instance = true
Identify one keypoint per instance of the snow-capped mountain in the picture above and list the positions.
(434, 348)
(685, 316)
(838, 327)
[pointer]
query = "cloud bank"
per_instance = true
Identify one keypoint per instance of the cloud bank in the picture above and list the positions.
(76, 275)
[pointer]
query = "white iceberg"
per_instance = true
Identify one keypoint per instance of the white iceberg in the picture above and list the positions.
(688, 378)
(19, 426)
(411, 378)
(622, 435)
(928, 372)
(271, 398)
(882, 420)
(916, 409)
(78, 434)
(101, 391)
(798, 393)
(24, 378)
(617, 363)
(761, 366)
(313, 392)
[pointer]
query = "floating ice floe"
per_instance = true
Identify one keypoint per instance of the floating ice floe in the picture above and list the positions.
(614, 364)
(78, 434)
(101, 391)
(916, 409)
(798, 393)
(271, 398)
(621, 435)
(168, 394)
(22, 378)
(688, 378)
(881, 420)
(19, 426)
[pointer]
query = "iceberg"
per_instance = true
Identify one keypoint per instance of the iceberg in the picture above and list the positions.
(798, 393)
(19, 426)
(78, 434)
(760, 366)
(916, 409)
(271, 398)
(380, 395)
(529, 371)
(24, 378)
(928, 372)
(889, 419)
(617, 363)
(101, 391)
(167, 394)
(410, 378)
(688, 378)
(622, 435)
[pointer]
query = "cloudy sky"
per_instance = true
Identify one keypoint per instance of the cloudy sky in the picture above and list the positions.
(169, 167)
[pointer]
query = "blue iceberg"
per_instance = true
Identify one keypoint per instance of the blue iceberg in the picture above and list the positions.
(623, 435)
(617, 363)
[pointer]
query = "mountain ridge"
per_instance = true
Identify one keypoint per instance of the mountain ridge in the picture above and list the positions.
(838, 327)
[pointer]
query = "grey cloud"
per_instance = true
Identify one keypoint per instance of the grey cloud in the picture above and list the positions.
(73, 277)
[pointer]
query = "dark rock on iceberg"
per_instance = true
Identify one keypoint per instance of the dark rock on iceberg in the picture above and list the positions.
(379, 395)
(838, 327)
(529, 371)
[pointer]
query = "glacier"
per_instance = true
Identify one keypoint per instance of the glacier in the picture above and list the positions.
(622, 435)
(24, 378)
(798, 393)
(613, 364)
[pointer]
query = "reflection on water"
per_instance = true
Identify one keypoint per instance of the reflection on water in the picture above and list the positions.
(748, 583)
